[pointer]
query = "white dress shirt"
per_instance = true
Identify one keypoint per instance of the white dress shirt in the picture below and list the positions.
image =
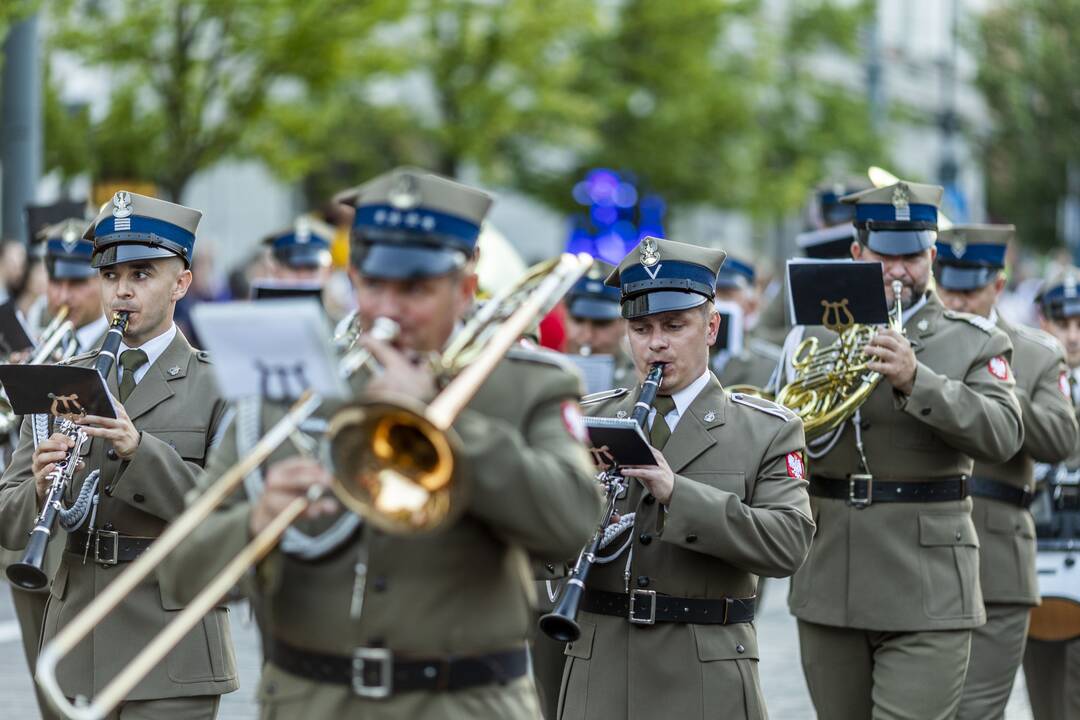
(153, 349)
(683, 398)
(90, 333)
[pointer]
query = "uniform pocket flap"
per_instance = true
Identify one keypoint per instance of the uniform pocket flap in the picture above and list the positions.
(725, 642)
(946, 529)
(728, 480)
(59, 582)
(188, 444)
(582, 647)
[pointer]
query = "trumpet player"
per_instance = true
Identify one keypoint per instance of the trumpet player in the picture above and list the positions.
(146, 459)
(970, 277)
(889, 594)
(73, 283)
(364, 623)
(667, 618)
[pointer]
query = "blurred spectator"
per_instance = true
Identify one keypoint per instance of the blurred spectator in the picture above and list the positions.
(12, 267)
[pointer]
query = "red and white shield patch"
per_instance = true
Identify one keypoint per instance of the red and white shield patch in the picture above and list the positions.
(1063, 383)
(574, 422)
(795, 467)
(999, 367)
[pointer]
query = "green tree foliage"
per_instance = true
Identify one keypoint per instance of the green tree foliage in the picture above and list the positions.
(1028, 58)
(190, 78)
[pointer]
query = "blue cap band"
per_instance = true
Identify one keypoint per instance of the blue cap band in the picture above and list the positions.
(883, 212)
(83, 249)
(418, 222)
(991, 255)
(312, 240)
(139, 230)
(965, 277)
(667, 275)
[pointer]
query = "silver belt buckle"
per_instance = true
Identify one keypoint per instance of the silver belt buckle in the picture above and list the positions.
(634, 595)
(860, 502)
(382, 658)
(115, 538)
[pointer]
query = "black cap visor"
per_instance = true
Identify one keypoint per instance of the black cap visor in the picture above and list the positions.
(69, 269)
(300, 256)
(900, 242)
(130, 252)
(592, 309)
(660, 302)
(965, 277)
(1062, 308)
(405, 262)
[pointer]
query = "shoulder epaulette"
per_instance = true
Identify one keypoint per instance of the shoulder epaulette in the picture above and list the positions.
(977, 320)
(765, 406)
(765, 349)
(542, 355)
(203, 356)
(1038, 336)
(79, 358)
(596, 397)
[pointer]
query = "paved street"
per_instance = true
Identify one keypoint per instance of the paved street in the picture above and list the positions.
(780, 672)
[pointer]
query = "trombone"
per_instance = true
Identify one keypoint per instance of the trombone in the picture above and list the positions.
(401, 427)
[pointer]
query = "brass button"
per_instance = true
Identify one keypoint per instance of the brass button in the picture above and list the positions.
(643, 581)
(958, 536)
(924, 412)
(740, 648)
(645, 538)
(138, 497)
(112, 454)
(691, 538)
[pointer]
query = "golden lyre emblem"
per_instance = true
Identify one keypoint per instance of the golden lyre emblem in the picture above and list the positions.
(837, 317)
(650, 252)
(67, 407)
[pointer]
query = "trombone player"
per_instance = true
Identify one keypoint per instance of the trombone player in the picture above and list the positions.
(381, 625)
(169, 411)
(889, 594)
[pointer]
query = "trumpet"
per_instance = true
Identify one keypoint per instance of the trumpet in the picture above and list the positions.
(28, 573)
(477, 349)
(832, 383)
(561, 623)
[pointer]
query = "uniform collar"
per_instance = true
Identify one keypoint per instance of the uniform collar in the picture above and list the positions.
(154, 347)
(685, 397)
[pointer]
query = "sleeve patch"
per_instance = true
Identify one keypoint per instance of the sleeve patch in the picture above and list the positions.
(574, 422)
(999, 367)
(1063, 383)
(795, 466)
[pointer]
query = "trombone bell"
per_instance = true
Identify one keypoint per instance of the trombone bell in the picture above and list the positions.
(393, 466)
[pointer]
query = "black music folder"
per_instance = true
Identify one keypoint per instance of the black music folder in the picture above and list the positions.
(56, 390)
(13, 334)
(619, 441)
(283, 290)
(836, 292)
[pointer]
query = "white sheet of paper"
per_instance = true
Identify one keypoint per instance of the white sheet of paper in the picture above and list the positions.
(272, 348)
(598, 371)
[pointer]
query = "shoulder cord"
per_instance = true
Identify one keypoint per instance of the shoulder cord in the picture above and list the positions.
(85, 505)
(294, 542)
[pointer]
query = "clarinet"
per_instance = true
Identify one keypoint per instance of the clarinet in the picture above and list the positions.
(29, 572)
(561, 623)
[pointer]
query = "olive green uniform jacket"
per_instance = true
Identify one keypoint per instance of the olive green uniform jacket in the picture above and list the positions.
(464, 590)
(753, 366)
(913, 566)
(178, 410)
(739, 510)
(1007, 532)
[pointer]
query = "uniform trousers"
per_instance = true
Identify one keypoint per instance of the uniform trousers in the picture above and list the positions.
(548, 660)
(997, 650)
(856, 674)
(200, 707)
(1052, 673)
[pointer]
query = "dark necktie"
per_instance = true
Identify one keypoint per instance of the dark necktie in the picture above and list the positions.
(130, 361)
(660, 432)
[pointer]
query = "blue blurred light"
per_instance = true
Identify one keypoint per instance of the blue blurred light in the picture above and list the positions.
(610, 248)
(625, 195)
(604, 215)
(580, 240)
(581, 194)
(602, 185)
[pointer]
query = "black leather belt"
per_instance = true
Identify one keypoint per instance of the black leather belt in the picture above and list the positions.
(863, 490)
(107, 547)
(645, 607)
(1002, 492)
(376, 673)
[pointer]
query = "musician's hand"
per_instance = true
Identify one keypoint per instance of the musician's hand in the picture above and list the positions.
(402, 374)
(119, 431)
(287, 480)
(44, 460)
(894, 358)
(658, 479)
